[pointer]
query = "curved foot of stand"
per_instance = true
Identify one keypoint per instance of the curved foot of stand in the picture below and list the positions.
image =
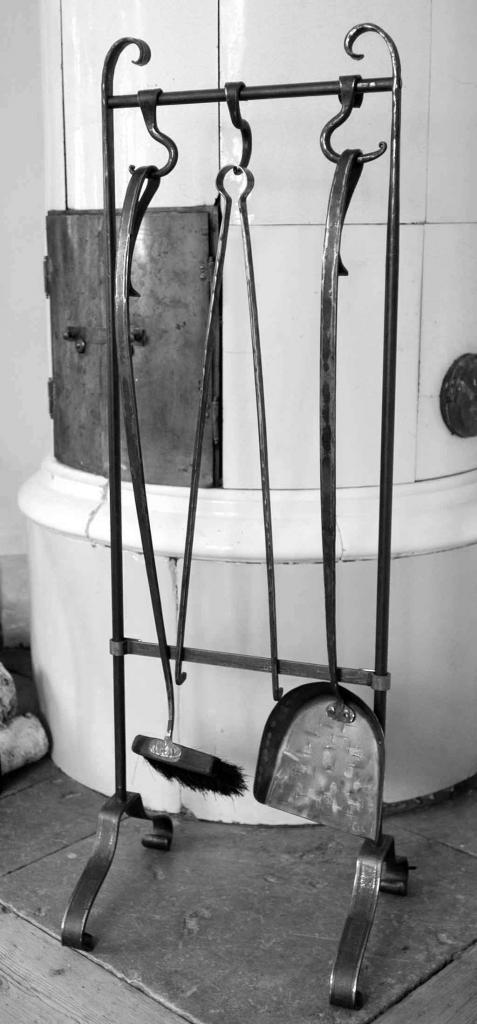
(377, 867)
(162, 831)
(73, 927)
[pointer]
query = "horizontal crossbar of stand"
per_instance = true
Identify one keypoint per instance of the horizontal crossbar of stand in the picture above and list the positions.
(255, 92)
(253, 663)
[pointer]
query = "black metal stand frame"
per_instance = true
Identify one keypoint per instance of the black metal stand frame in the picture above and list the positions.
(377, 868)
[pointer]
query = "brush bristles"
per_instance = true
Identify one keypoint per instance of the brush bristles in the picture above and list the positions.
(223, 777)
(200, 772)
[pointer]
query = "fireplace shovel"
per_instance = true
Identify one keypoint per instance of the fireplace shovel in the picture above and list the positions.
(322, 750)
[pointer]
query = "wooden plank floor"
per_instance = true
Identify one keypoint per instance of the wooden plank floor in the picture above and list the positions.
(450, 997)
(43, 983)
(420, 966)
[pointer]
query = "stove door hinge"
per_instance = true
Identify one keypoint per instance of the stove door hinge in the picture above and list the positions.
(47, 275)
(51, 397)
(215, 416)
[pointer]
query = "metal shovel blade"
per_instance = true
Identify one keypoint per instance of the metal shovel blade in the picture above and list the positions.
(327, 771)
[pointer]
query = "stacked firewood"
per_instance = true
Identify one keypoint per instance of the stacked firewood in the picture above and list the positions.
(22, 736)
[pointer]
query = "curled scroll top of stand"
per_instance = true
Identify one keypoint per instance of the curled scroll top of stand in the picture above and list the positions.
(359, 30)
(115, 52)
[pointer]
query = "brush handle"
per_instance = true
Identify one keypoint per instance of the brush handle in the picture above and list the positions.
(135, 205)
(345, 179)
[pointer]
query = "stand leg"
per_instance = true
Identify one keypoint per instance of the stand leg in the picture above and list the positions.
(377, 867)
(73, 928)
(395, 873)
(161, 836)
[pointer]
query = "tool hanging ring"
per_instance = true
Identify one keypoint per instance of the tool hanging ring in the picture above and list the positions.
(350, 98)
(232, 97)
(147, 99)
(247, 186)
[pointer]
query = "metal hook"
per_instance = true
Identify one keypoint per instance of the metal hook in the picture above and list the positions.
(152, 177)
(350, 98)
(147, 99)
(232, 97)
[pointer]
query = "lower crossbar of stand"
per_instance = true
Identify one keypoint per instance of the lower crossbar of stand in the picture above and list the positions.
(255, 663)
(73, 927)
(377, 867)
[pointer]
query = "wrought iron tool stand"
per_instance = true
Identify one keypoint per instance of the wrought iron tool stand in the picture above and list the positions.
(378, 868)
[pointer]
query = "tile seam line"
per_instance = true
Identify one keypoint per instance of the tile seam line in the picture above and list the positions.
(429, 96)
(256, 222)
(402, 829)
(16, 792)
(417, 415)
(63, 105)
(45, 856)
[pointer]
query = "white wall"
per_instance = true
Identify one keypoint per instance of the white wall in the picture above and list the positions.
(25, 430)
